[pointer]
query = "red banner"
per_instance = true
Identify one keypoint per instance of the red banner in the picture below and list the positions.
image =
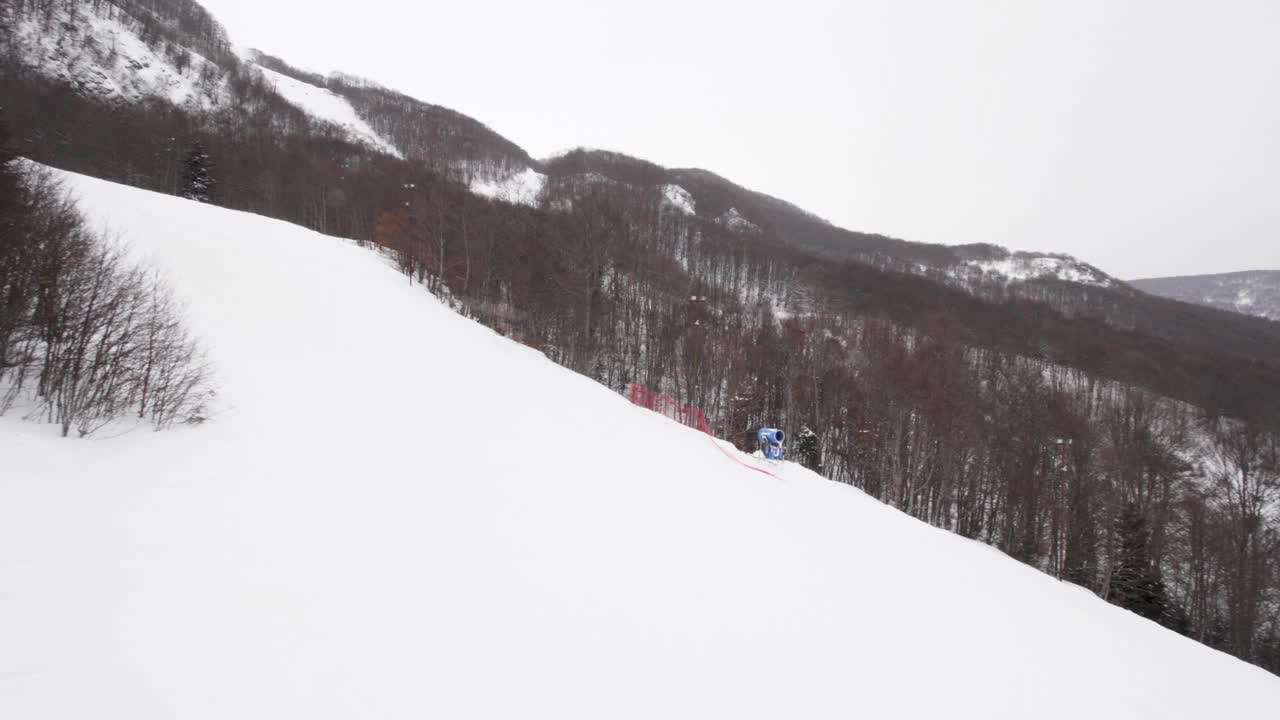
(664, 404)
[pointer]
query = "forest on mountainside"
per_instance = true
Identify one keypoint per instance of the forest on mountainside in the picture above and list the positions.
(1134, 459)
(1198, 330)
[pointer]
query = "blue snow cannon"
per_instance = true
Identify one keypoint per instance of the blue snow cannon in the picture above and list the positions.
(771, 443)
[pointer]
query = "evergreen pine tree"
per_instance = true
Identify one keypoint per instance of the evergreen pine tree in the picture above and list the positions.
(196, 180)
(9, 173)
(1134, 586)
(10, 202)
(808, 450)
(6, 152)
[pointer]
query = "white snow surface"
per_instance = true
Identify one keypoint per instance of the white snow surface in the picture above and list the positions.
(328, 106)
(400, 514)
(521, 188)
(97, 51)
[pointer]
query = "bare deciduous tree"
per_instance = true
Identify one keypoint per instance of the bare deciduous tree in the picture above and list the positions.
(85, 334)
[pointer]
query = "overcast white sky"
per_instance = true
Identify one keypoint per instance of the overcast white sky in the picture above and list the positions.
(1140, 135)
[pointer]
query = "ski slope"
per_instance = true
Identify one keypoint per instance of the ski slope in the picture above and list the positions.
(396, 513)
(325, 105)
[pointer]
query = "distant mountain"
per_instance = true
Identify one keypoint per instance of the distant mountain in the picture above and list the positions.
(175, 53)
(1252, 292)
(715, 198)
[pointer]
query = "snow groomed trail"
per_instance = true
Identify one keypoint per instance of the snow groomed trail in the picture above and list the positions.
(396, 513)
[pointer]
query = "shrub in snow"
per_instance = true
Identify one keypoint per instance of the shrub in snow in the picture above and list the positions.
(85, 336)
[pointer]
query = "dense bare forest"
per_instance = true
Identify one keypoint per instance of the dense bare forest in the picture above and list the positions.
(86, 335)
(1120, 442)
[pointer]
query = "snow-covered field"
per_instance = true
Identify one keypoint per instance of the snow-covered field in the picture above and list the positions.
(398, 513)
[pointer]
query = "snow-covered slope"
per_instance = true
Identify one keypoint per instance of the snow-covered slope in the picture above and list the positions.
(327, 106)
(399, 513)
(96, 48)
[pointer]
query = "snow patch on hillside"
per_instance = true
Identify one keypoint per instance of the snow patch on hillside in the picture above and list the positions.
(325, 105)
(735, 220)
(97, 51)
(1034, 267)
(521, 188)
(678, 198)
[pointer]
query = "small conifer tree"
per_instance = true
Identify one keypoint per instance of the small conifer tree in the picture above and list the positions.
(1134, 585)
(197, 178)
(808, 450)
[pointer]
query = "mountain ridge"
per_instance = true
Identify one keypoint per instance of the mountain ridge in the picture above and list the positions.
(467, 149)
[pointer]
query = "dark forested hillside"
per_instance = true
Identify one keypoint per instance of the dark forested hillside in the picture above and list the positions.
(432, 134)
(1075, 288)
(1032, 412)
(715, 196)
(448, 141)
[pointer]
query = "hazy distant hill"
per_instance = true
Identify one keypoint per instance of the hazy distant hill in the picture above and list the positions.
(1252, 292)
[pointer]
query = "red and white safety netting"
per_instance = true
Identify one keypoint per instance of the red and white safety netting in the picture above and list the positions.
(667, 405)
